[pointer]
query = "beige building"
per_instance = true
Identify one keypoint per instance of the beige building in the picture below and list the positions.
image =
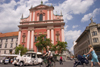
(66, 55)
(91, 35)
(8, 42)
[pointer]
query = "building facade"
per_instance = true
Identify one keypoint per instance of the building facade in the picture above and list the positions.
(41, 20)
(91, 35)
(8, 42)
(66, 55)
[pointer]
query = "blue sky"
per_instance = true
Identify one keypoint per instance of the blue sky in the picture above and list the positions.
(76, 15)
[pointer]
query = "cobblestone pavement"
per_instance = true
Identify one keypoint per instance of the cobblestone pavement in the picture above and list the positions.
(65, 64)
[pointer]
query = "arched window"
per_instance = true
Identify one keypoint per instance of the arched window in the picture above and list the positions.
(40, 17)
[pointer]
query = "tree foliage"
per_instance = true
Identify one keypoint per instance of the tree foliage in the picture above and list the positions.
(60, 47)
(43, 42)
(21, 48)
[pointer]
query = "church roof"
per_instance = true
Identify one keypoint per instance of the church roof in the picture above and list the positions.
(9, 34)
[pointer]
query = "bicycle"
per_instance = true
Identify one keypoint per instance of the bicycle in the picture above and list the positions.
(46, 64)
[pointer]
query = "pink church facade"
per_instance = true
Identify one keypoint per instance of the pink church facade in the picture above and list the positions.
(41, 20)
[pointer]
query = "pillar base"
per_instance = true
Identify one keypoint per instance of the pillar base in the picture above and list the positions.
(30, 50)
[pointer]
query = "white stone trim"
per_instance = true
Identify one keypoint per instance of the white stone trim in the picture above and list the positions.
(32, 35)
(19, 37)
(48, 14)
(63, 38)
(28, 39)
(48, 33)
(33, 15)
(52, 35)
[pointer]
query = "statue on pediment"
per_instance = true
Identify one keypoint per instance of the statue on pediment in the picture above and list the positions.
(91, 19)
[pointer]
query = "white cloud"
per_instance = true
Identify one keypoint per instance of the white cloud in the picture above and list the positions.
(72, 36)
(66, 26)
(93, 14)
(75, 26)
(10, 13)
(70, 7)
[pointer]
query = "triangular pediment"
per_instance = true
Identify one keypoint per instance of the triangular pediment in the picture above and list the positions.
(92, 23)
(41, 6)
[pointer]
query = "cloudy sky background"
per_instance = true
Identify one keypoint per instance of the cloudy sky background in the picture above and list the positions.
(76, 15)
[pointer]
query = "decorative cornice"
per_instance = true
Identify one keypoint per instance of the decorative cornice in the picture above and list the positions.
(30, 28)
(42, 21)
(43, 24)
(50, 27)
(62, 27)
(20, 29)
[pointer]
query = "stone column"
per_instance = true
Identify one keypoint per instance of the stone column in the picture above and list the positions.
(19, 36)
(52, 35)
(48, 15)
(48, 33)
(32, 39)
(62, 31)
(28, 39)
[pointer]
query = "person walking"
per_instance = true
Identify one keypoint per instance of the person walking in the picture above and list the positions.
(94, 56)
(61, 60)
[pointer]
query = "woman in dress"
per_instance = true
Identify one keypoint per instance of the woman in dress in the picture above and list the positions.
(94, 55)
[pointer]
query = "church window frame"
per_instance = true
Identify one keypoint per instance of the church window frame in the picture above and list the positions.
(41, 17)
(35, 38)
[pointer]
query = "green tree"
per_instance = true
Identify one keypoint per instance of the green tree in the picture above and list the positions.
(43, 42)
(60, 47)
(21, 48)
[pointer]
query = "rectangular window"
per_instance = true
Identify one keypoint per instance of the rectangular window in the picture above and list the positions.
(0, 40)
(95, 40)
(94, 33)
(23, 45)
(16, 44)
(98, 29)
(35, 38)
(45, 38)
(41, 17)
(6, 40)
(0, 45)
(5, 52)
(11, 45)
(5, 45)
(16, 39)
(12, 40)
